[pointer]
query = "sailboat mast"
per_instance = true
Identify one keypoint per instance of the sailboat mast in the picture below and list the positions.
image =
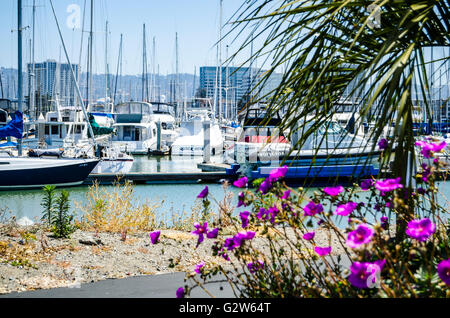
(19, 66)
(91, 37)
(143, 63)
(117, 71)
(220, 62)
(33, 77)
(177, 78)
(106, 63)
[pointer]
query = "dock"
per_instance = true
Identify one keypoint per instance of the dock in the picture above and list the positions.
(157, 177)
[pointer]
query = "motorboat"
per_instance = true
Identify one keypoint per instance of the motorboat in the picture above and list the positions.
(190, 141)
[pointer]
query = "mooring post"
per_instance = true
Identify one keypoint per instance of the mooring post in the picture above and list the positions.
(206, 141)
(158, 135)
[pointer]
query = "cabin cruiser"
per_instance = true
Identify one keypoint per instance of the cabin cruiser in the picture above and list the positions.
(190, 141)
(136, 132)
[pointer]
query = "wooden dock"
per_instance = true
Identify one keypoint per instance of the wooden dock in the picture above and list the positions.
(156, 177)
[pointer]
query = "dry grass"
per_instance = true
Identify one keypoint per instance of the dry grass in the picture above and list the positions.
(116, 211)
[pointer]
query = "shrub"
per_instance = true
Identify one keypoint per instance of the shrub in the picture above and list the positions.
(62, 225)
(291, 244)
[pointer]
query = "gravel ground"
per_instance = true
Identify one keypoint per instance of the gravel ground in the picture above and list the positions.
(47, 262)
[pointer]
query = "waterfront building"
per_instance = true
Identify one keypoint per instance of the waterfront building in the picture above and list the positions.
(53, 79)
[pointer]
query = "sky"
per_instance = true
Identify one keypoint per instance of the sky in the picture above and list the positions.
(195, 21)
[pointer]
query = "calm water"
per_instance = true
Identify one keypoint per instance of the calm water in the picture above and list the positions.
(172, 198)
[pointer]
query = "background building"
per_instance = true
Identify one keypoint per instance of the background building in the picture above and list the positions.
(53, 80)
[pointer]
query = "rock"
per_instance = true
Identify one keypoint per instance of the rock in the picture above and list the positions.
(24, 221)
(90, 241)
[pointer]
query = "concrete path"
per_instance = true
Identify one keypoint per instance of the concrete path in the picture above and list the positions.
(152, 286)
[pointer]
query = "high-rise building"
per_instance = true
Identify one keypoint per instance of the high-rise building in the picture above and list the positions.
(237, 83)
(54, 80)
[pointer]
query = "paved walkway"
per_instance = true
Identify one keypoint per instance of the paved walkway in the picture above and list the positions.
(152, 286)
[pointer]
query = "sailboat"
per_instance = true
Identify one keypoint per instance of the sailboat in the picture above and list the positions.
(17, 172)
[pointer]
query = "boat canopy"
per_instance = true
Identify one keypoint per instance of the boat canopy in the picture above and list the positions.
(14, 128)
(97, 130)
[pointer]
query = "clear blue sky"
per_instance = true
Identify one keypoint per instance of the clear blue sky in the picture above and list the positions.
(196, 22)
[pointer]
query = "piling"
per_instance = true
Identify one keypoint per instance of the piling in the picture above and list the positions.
(206, 141)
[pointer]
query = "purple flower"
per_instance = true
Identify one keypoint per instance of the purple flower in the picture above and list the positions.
(198, 268)
(236, 241)
(244, 218)
(275, 174)
(346, 209)
(213, 233)
(309, 236)
(241, 183)
(322, 251)
(364, 275)
(366, 184)
(265, 186)
(361, 235)
(201, 229)
(286, 194)
(255, 266)
(421, 190)
(426, 172)
(272, 212)
(262, 214)
(312, 208)
(320, 222)
(241, 199)
(388, 185)
(154, 236)
(443, 270)
(383, 144)
(420, 230)
(384, 222)
(203, 193)
(333, 191)
(427, 148)
(180, 292)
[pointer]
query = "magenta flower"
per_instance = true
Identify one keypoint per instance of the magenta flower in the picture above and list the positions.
(420, 230)
(241, 199)
(346, 209)
(383, 144)
(364, 275)
(180, 292)
(262, 214)
(241, 183)
(201, 229)
(286, 194)
(278, 173)
(203, 193)
(198, 268)
(265, 186)
(255, 266)
(427, 148)
(384, 222)
(312, 208)
(426, 172)
(309, 236)
(154, 236)
(362, 235)
(244, 218)
(333, 191)
(213, 233)
(273, 212)
(388, 185)
(323, 251)
(443, 270)
(237, 240)
(366, 184)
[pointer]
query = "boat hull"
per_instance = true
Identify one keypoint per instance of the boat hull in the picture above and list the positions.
(58, 172)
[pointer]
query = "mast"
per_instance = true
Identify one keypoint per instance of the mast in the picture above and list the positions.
(119, 63)
(32, 77)
(144, 63)
(91, 36)
(106, 63)
(153, 94)
(220, 62)
(19, 66)
(176, 78)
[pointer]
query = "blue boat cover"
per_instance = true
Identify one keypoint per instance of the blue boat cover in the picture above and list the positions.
(14, 128)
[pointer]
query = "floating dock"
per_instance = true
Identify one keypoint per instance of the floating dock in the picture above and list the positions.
(157, 177)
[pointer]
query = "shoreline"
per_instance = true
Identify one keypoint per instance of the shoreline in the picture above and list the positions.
(40, 261)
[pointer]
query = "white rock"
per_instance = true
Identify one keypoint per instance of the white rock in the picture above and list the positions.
(24, 221)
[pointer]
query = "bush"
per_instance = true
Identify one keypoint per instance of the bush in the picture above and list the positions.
(289, 244)
(62, 225)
